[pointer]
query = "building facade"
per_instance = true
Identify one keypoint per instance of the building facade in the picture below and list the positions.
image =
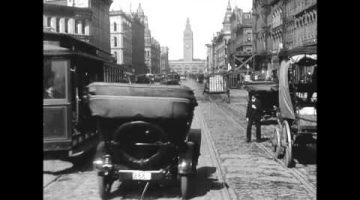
(240, 44)
(87, 20)
(138, 42)
(121, 37)
(147, 46)
(220, 43)
(164, 60)
(209, 58)
(261, 34)
(155, 56)
(282, 25)
(187, 65)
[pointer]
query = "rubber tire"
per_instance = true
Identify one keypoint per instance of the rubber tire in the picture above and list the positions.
(288, 155)
(130, 160)
(277, 145)
(185, 186)
(196, 138)
(104, 187)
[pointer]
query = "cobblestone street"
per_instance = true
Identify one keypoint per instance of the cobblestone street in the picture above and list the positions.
(249, 171)
(232, 170)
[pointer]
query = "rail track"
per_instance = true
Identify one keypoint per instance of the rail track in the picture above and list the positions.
(308, 186)
(227, 193)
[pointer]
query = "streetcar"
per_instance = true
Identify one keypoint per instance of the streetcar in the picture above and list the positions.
(69, 66)
(296, 131)
(145, 134)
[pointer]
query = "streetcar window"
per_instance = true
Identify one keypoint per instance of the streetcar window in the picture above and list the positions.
(54, 79)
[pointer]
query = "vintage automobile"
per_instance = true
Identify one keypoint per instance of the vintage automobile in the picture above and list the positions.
(171, 79)
(145, 133)
(296, 131)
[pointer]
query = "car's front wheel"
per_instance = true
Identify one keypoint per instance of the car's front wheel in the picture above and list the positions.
(105, 183)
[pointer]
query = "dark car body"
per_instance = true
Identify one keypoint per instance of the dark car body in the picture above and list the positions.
(145, 131)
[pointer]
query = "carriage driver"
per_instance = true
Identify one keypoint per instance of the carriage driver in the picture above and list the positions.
(253, 115)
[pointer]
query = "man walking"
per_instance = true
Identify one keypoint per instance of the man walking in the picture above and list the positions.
(253, 115)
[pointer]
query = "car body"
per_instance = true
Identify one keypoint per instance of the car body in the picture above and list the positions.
(146, 135)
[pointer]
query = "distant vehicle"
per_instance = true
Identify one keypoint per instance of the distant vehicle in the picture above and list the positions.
(145, 78)
(200, 78)
(171, 79)
(182, 77)
(158, 77)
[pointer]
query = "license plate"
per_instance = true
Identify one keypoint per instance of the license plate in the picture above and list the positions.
(141, 175)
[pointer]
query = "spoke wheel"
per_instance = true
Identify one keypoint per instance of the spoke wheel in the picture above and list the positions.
(277, 143)
(288, 157)
(104, 186)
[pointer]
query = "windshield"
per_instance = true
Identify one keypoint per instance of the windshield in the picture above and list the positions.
(54, 79)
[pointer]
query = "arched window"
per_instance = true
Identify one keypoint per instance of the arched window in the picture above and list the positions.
(115, 41)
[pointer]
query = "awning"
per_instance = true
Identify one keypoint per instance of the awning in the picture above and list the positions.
(285, 104)
(310, 49)
(304, 59)
(52, 47)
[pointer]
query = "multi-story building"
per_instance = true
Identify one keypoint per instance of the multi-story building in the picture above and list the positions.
(87, 20)
(220, 43)
(138, 42)
(240, 43)
(261, 34)
(300, 23)
(209, 62)
(164, 60)
(282, 25)
(152, 50)
(147, 46)
(155, 56)
(121, 37)
(188, 64)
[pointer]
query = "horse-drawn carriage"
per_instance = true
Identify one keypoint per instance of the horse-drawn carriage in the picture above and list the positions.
(145, 134)
(217, 83)
(296, 130)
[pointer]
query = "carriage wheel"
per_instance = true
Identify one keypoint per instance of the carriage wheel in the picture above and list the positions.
(105, 183)
(277, 143)
(288, 155)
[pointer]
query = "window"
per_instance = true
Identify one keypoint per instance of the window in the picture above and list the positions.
(76, 27)
(57, 25)
(115, 41)
(115, 28)
(55, 79)
(48, 21)
(66, 25)
(83, 27)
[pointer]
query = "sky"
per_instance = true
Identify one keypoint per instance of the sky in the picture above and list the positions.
(167, 20)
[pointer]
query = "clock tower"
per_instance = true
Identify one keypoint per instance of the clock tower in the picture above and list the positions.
(188, 42)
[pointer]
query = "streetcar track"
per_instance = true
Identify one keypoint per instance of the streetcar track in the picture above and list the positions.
(52, 181)
(215, 160)
(308, 186)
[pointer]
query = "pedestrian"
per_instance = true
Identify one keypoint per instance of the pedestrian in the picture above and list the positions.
(253, 116)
